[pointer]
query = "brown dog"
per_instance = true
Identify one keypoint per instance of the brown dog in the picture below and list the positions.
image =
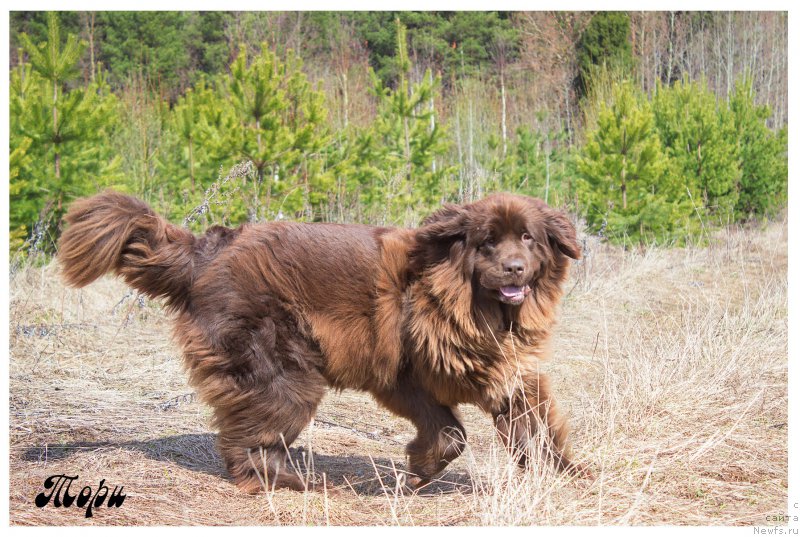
(268, 315)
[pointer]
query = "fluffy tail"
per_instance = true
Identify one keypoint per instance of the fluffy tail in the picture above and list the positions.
(112, 232)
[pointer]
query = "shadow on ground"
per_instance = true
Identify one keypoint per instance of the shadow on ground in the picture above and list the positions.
(363, 474)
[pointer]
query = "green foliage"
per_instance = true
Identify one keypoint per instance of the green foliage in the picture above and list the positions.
(191, 127)
(208, 48)
(456, 41)
(264, 111)
(184, 109)
(699, 137)
(605, 42)
(280, 121)
(395, 158)
(537, 164)
(629, 189)
(67, 156)
(52, 62)
(764, 169)
(17, 184)
(63, 157)
(152, 43)
(174, 49)
(36, 26)
(695, 160)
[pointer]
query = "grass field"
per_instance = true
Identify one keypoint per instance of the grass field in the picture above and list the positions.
(671, 363)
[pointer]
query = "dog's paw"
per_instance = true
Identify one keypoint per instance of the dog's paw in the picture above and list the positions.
(411, 482)
(250, 485)
(580, 471)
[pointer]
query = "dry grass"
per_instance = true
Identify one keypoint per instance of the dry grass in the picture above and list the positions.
(672, 364)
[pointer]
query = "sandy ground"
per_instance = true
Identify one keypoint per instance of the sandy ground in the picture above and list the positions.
(671, 363)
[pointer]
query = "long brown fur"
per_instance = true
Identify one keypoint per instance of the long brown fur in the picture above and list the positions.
(269, 315)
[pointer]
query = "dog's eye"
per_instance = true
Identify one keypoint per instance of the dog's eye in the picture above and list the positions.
(526, 238)
(489, 242)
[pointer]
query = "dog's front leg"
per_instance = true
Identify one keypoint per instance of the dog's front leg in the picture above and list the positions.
(530, 425)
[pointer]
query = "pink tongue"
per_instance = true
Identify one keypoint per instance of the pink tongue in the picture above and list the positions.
(511, 291)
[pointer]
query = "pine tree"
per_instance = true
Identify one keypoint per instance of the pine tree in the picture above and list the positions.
(57, 66)
(536, 165)
(453, 42)
(764, 163)
(65, 127)
(605, 43)
(396, 154)
(17, 185)
(628, 187)
(699, 137)
(154, 44)
(23, 194)
(279, 126)
(194, 119)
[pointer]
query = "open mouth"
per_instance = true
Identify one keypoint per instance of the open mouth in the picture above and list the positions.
(513, 295)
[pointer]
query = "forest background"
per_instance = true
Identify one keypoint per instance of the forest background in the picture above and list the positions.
(652, 127)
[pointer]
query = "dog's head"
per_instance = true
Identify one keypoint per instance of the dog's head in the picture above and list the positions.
(505, 244)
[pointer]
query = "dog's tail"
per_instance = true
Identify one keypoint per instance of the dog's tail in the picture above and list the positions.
(112, 232)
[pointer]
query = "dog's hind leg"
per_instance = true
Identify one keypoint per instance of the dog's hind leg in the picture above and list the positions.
(263, 384)
(441, 437)
(259, 424)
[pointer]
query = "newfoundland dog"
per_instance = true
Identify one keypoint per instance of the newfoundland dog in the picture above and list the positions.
(269, 315)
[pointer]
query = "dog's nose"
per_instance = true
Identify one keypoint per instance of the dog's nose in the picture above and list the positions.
(513, 266)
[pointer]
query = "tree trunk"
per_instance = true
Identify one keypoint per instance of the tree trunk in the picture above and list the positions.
(671, 58)
(503, 118)
(191, 163)
(569, 115)
(471, 156)
(309, 212)
(624, 187)
(460, 149)
(345, 99)
(702, 46)
(656, 58)
(643, 44)
(433, 118)
(57, 162)
(91, 43)
(729, 62)
(547, 168)
(699, 159)
(260, 179)
(407, 148)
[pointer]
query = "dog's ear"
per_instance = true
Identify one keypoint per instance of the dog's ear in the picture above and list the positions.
(562, 233)
(446, 224)
(437, 235)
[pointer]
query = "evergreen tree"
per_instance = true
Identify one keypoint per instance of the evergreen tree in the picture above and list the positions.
(17, 185)
(452, 41)
(65, 128)
(764, 171)
(154, 44)
(209, 52)
(56, 65)
(188, 125)
(699, 137)
(23, 195)
(280, 127)
(537, 165)
(396, 156)
(604, 42)
(628, 189)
